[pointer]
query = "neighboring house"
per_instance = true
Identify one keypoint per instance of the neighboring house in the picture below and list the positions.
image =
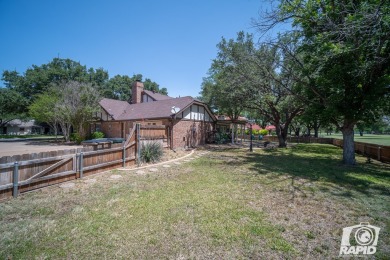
(187, 121)
(255, 127)
(225, 123)
(19, 127)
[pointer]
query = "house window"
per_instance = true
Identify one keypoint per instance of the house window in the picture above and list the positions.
(21, 129)
(98, 127)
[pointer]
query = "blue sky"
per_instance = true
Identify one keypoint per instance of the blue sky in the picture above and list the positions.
(170, 42)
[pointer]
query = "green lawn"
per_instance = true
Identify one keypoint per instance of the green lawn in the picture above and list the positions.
(366, 138)
(227, 204)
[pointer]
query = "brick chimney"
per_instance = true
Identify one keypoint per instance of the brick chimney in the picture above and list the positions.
(136, 92)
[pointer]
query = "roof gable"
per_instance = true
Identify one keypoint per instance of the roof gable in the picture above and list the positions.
(114, 107)
(156, 96)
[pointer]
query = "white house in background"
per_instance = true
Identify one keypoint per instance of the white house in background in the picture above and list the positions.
(19, 127)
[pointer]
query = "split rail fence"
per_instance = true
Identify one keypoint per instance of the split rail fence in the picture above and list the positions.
(22, 173)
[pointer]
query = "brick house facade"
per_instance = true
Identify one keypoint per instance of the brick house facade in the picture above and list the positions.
(187, 121)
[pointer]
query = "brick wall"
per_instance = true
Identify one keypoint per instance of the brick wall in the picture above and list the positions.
(190, 133)
(136, 92)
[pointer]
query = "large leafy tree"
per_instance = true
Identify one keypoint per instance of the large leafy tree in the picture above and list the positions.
(119, 87)
(245, 77)
(346, 49)
(37, 80)
(12, 106)
(68, 104)
(225, 89)
(153, 86)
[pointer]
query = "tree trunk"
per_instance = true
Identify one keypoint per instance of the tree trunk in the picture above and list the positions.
(348, 144)
(297, 130)
(308, 131)
(316, 129)
(232, 133)
(66, 131)
(55, 128)
(282, 135)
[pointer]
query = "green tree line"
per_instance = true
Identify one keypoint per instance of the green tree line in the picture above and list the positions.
(63, 93)
(332, 68)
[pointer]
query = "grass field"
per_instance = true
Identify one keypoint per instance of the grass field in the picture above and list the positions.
(366, 138)
(227, 204)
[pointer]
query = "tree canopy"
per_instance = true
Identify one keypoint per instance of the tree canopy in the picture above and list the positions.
(63, 92)
(12, 106)
(333, 67)
(246, 77)
(347, 57)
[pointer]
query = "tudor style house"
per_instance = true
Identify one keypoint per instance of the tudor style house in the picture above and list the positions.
(20, 127)
(187, 121)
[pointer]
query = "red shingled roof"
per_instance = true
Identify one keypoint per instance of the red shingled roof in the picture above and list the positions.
(156, 96)
(114, 107)
(121, 110)
(254, 126)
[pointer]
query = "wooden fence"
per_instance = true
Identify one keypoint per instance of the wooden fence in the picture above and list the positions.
(23, 173)
(374, 151)
(155, 132)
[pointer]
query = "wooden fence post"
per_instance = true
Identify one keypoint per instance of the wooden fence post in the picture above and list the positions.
(138, 137)
(379, 153)
(15, 180)
(81, 164)
(124, 156)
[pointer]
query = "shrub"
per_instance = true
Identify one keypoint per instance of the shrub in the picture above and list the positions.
(222, 138)
(263, 132)
(151, 152)
(76, 137)
(97, 135)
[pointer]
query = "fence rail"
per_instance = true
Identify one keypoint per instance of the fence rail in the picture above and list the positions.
(27, 172)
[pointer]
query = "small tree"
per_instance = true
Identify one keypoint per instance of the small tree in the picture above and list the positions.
(43, 110)
(76, 106)
(69, 104)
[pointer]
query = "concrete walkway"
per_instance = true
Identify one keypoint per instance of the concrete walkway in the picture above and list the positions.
(166, 164)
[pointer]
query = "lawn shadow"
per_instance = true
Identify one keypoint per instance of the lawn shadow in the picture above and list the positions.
(310, 163)
(302, 165)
